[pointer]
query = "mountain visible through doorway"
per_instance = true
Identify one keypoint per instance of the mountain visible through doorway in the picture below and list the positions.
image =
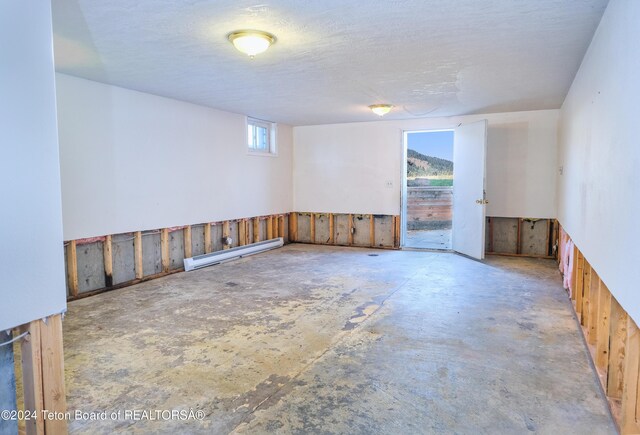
(429, 189)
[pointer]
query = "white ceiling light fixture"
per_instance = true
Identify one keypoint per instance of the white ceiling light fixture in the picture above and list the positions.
(251, 42)
(380, 109)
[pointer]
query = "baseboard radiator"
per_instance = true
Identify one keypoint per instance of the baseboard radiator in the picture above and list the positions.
(205, 260)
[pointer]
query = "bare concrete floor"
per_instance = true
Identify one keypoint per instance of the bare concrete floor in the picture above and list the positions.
(429, 239)
(318, 339)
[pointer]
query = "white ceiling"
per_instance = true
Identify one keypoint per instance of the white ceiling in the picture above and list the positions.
(333, 57)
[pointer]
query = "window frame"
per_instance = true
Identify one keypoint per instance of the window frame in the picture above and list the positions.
(271, 127)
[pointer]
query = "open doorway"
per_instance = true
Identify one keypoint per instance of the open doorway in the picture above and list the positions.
(428, 189)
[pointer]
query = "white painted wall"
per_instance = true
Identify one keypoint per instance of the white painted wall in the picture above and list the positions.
(599, 192)
(134, 161)
(31, 258)
(343, 168)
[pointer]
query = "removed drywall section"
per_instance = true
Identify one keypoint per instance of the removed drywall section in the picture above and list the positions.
(151, 253)
(132, 160)
(197, 240)
(384, 231)
(599, 198)
(123, 258)
(356, 167)
(342, 229)
(534, 237)
(96, 268)
(505, 237)
(176, 250)
(527, 237)
(304, 228)
(322, 228)
(91, 274)
(361, 230)
(347, 229)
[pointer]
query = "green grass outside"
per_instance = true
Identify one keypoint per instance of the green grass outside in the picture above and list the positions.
(441, 182)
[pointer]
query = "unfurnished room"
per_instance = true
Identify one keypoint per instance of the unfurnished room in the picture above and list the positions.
(336, 217)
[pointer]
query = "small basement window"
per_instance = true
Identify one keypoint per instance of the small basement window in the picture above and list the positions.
(261, 136)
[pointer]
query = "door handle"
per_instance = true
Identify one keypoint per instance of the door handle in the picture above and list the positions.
(482, 201)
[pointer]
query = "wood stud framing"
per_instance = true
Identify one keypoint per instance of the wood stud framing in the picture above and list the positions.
(270, 228)
(617, 344)
(208, 243)
(350, 230)
(280, 226)
(312, 227)
(188, 252)
(164, 249)
(614, 342)
(372, 230)
(108, 261)
(256, 229)
(137, 247)
(275, 228)
(275, 225)
(43, 375)
(293, 227)
(226, 232)
(72, 268)
(242, 232)
(332, 229)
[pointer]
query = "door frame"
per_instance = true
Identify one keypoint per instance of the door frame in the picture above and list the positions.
(403, 183)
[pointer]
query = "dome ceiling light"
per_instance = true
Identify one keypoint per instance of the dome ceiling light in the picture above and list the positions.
(251, 42)
(380, 109)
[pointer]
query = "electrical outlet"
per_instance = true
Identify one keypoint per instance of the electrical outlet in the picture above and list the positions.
(388, 184)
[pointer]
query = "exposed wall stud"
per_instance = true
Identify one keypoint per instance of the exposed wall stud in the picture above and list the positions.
(629, 423)
(242, 232)
(72, 268)
(274, 225)
(108, 261)
(578, 282)
(164, 249)
(208, 243)
(602, 342)
(33, 390)
(617, 347)
(293, 227)
(226, 233)
(331, 229)
(53, 373)
(43, 375)
(256, 229)
(281, 226)
(137, 247)
(188, 251)
(372, 230)
(586, 297)
(270, 228)
(350, 230)
(519, 239)
(312, 227)
(594, 309)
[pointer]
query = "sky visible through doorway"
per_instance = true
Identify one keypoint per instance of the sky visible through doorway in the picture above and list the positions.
(432, 143)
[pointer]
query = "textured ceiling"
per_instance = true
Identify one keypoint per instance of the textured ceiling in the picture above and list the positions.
(333, 57)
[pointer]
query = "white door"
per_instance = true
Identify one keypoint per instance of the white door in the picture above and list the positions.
(469, 199)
